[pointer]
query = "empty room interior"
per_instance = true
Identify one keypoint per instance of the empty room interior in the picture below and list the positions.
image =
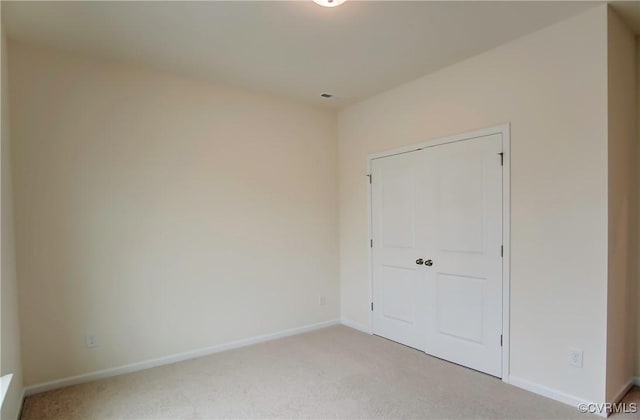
(320, 209)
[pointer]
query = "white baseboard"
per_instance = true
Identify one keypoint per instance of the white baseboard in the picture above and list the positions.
(134, 367)
(24, 395)
(545, 391)
(623, 391)
(5, 384)
(356, 326)
(568, 399)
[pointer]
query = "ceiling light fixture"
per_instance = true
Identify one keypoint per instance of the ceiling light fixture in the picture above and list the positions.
(329, 3)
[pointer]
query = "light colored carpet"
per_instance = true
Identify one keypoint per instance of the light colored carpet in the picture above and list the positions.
(336, 372)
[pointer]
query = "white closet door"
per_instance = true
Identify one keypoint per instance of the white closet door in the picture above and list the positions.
(398, 282)
(443, 205)
(464, 285)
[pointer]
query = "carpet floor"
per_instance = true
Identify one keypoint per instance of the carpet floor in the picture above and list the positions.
(335, 372)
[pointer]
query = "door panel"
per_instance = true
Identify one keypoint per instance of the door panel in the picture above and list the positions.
(444, 204)
(398, 283)
(397, 280)
(461, 203)
(464, 285)
(459, 307)
(397, 207)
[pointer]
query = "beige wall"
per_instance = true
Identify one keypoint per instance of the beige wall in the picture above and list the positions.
(621, 74)
(163, 215)
(10, 361)
(151, 213)
(552, 87)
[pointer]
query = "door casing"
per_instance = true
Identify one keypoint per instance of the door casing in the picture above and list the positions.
(504, 130)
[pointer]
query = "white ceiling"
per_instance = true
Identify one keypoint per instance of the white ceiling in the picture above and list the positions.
(294, 49)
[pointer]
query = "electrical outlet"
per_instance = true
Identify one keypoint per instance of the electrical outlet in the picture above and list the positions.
(575, 357)
(91, 340)
(322, 301)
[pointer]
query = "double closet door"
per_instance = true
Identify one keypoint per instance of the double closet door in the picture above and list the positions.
(437, 251)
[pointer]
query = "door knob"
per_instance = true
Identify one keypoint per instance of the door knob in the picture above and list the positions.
(419, 261)
(428, 263)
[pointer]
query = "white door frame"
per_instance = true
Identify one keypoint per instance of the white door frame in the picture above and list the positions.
(503, 129)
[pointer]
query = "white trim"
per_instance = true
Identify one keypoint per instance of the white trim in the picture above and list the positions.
(545, 391)
(623, 391)
(499, 129)
(565, 398)
(369, 242)
(5, 383)
(504, 130)
(24, 395)
(356, 326)
(134, 367)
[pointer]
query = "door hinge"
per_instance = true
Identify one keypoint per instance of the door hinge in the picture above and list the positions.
(501, 158)
(502, 250)
(372, 306)
(500, 340)
(369, 175)
(371, 243)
